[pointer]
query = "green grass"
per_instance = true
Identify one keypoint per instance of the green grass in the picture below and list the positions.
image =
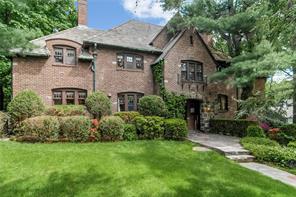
(141, 168)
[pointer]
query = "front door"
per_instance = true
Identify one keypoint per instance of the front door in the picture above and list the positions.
(193, 114)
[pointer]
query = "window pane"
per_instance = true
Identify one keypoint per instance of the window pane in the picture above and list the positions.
(81, 98)
(58, 55)
(131, 102)
(70, 97)
(120, 61)
(57, 98)
(191, 71)
(71, 56)
(139, 62)
(129, 59)
(121, 101)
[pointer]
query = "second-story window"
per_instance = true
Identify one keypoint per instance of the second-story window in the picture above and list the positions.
(65, 55)
(191, 71)
(130, 61)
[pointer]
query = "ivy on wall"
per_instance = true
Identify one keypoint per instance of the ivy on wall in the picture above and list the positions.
(175, 103)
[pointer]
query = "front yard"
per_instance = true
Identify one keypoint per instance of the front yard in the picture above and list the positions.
(139, 168)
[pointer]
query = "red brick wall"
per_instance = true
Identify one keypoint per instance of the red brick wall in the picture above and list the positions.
(161, 39)
(112, 80)
(42, 74)
(184, 51)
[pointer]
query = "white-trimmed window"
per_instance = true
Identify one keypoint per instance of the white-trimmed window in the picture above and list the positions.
(69, 96)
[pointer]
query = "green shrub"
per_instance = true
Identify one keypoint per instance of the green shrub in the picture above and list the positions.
(4, 119)
(255, 131)
(127, 117)
(66, 110)
(98, 104)
(278, 155)
(40, 128)
(130, 132)
(26, 104)
(175, 129)
(149, 127)
(259, 141)
(152, 106)
(292, 144)
(75, 128)
(230, 126)
(111, 128)
(286, 134)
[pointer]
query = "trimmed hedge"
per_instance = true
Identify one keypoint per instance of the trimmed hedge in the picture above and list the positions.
(26, 104)
(292, 144)
(230, 126)
(152, 106)
(259, 141)
(75, 128)
(129, 132)
(175, 129)
(111, 128)
(149, 127)
(282, 156)
(39, 129)
(98, 104)
(255, 131)
(66, 110)
(127, 117)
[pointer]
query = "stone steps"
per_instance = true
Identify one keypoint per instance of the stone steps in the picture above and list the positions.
(241, 158)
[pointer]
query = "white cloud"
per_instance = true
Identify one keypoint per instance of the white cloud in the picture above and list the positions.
(147, 9)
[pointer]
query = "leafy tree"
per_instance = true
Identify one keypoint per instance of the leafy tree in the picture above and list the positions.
(24, 20)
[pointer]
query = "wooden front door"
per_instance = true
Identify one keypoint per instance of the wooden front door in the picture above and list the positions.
(193, 114)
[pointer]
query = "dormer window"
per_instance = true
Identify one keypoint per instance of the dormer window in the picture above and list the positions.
(130, 61)
(65, 55)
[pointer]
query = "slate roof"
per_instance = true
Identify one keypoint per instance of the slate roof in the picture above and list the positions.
(132, 35)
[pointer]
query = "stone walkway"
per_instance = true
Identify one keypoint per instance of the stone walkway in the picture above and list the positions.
(231, 148)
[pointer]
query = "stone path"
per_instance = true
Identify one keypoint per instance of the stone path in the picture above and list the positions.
(231, 148)
(274, 173)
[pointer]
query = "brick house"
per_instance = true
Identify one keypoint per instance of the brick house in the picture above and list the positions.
(66, 66)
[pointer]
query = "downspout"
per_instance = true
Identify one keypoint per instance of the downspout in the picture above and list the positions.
(94, 67)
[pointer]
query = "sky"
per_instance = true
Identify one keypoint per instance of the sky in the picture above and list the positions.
(105, 14)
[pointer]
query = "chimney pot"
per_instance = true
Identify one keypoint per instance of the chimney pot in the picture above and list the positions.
(82, 12)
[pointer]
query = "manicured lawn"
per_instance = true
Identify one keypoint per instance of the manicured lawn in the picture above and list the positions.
(141, 168)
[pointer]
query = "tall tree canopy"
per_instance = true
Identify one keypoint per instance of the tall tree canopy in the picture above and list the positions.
(24, 20)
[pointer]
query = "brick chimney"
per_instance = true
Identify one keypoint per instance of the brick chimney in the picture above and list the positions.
(82, 12)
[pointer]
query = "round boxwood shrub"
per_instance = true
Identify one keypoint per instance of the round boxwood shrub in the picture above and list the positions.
(175, 129)
(98, 104)
(127, 117)
(130, 132)
(149, 127)
(255, 131)
(40, 128)
(152, 106)
(24, 105)
(75, 128)
(111, 128)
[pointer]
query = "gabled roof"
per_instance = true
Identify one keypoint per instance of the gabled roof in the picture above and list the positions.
(132, 35)
(76, 34)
